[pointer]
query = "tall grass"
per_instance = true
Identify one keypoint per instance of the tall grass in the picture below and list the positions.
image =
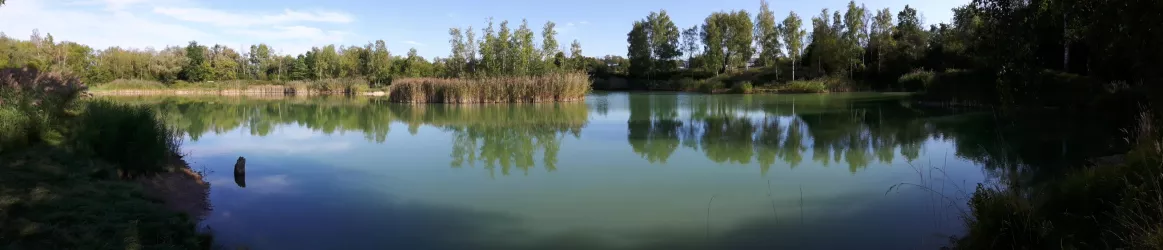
(1115, 205)
(742, 88)
(56, 186)
(131, 84)
(323, 86)
(557, 87)
(916, 80)
(32, 103)
(806, 86)
(128, 136)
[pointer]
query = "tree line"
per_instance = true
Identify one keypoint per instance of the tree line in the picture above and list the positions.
(1012, 41)
(497, 53)
(857, 41)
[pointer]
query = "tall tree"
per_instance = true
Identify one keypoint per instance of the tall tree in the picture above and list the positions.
(504, 49)
(727, 38)
(197, 68)
(380, 63)
(470, 48)
(910, 36)
(575, 55)
(524, 53)
(549, 45)
(766, 35)
(855, 34)
(639, 51)
(793, 37)
(690, 44)
(490, 63)
(456, 59)
(663, 41)
(881, 36)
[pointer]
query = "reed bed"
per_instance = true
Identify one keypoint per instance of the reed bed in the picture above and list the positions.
(236, 87)
(556, 87)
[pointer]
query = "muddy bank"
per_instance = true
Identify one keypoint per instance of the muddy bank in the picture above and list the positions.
(181, 190)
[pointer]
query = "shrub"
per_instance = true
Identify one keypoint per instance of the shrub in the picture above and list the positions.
(130, 137)
(551, 87)
(742, 88)
(1111, 206)
(915, 81)
(31, 103)
(807, 86)
(710, 85)
(688, 84)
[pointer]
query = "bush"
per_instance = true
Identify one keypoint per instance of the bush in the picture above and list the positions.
(742, 88)
(127, 136)
(808, 86)
(709, 86)
(32, 103)
(1111, 206)
(915, 81)
(688, 84)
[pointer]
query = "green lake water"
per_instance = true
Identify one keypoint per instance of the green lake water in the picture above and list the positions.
(619, 171)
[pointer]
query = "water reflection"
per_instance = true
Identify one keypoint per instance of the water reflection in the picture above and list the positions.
(630, 171)
(737, 130)
(855, 130)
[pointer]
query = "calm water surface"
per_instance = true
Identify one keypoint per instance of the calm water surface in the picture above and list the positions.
(620, 171)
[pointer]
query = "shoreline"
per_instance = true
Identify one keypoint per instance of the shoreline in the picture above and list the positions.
(180, 190)
(224, 92)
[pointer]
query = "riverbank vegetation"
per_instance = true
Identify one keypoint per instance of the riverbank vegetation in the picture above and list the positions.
(500, 53)
(84, 174)
(558, 87)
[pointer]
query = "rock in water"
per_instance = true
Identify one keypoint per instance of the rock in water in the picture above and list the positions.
(240, 172)
(240, 166)
(240, 179)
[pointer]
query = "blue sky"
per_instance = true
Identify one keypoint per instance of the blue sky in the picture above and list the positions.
(296, 25)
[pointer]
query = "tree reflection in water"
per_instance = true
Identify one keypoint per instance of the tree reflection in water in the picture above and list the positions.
(851, 129)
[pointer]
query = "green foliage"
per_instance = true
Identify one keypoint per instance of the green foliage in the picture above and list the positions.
(709, 86)
(792, 32)
(52, 205)
(727, 37)
(766, 36)
(32, 105)
(806, 86)
(1116, 204)
(56, 197)
(127, 136)
(133, 84)
(916, 81)
(742, 88)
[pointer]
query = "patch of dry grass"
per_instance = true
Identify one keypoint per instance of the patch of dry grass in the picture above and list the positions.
(557, 87)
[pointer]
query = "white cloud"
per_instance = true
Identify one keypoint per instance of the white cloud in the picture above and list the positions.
(584, 22)
(97, 28)
(223, 18)
(131, 23)
(414, 43)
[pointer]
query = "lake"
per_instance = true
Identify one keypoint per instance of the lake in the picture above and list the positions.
(619, 171)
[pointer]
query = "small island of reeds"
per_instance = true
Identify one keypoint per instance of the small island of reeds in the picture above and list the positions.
(552, 87)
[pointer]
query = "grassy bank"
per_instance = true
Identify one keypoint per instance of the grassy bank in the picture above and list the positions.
(557, 87)
(1117, 203)
(77, 174)
(324, 86)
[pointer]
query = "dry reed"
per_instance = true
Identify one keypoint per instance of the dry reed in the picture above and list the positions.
(556, 87)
